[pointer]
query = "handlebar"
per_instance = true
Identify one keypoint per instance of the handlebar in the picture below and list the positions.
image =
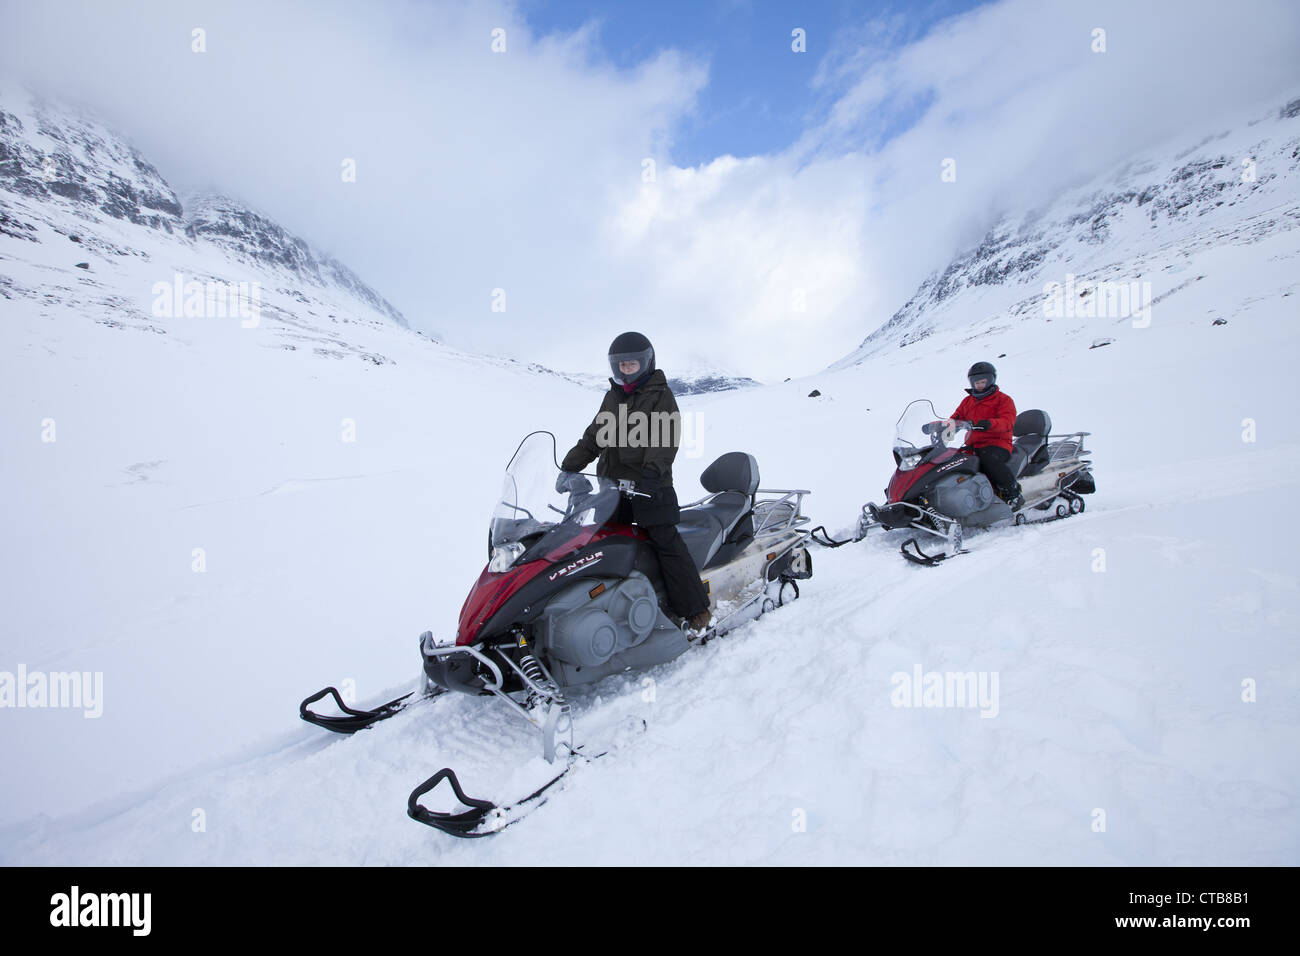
(939, 427)
(578, 497)
(627, 486)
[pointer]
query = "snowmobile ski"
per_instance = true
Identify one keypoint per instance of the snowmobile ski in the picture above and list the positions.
(917, 556)
(483, 818)
(353, 719)
(826, 541)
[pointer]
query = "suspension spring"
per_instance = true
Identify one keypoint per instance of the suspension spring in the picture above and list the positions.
(533, 672)
(532, 669)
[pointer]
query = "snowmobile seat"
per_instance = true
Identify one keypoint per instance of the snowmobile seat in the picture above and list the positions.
(732, 480)
(734, 543)
(1029, 442)
(702, 529)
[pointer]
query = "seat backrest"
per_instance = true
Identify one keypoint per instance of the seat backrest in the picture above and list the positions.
(1030, 432)
(1032, 422)
(734, 471)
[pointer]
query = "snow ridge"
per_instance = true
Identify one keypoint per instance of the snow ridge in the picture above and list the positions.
(1237, 186)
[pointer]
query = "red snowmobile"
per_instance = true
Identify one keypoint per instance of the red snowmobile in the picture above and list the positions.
(939, 490)
(568, 598)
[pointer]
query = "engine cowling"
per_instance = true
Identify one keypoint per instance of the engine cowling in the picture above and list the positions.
(585, 630)
(960, 496)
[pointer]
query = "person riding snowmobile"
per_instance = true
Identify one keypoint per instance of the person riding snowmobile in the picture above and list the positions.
(638, 402)
(993, 415)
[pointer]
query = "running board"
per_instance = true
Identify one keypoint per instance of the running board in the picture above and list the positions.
(761, 598)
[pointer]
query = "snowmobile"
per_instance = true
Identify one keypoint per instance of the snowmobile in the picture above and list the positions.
(569, 597)
(939, 490)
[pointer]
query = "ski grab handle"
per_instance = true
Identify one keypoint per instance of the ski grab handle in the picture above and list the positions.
(466, 823)
(826, 541)
(355, 719)
(456, 824)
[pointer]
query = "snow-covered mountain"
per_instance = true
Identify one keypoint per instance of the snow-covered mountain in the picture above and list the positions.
(250, 237)
(81, 197)
(1117, 246)
(695, 375)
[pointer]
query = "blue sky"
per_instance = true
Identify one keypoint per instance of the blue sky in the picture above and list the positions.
(760, 95)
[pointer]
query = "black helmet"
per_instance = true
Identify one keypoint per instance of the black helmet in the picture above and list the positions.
(631, 347)
(982, 370)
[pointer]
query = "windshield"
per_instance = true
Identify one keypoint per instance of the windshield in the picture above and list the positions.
(920, 428)
(532, 520)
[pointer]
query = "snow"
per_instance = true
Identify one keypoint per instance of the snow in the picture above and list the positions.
(1119, 690)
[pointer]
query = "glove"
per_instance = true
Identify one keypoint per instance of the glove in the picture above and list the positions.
(572, 483)
(983, 425)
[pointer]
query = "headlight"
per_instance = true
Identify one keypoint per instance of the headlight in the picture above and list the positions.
(504, 556)
(907, 458)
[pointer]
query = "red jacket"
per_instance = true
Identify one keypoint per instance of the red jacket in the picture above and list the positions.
(999, 409)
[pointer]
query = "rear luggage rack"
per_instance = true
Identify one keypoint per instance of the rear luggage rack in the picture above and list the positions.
(1066, 446)
(774, 516)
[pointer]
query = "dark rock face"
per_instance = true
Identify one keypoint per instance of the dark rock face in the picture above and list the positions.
(249, 235)
(708, 383)
(59, 154)
(12, 226)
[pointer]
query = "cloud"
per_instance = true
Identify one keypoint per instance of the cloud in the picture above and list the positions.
(525, 170)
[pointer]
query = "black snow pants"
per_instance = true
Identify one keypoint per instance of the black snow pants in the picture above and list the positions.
(658, 517)
(994, 464)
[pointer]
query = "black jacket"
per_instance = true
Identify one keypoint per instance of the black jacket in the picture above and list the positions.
(634, 435)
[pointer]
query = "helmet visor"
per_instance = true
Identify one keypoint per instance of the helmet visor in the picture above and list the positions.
(629, 366)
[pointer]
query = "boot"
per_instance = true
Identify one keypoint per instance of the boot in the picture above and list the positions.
(1012, 497)
(698, 625)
